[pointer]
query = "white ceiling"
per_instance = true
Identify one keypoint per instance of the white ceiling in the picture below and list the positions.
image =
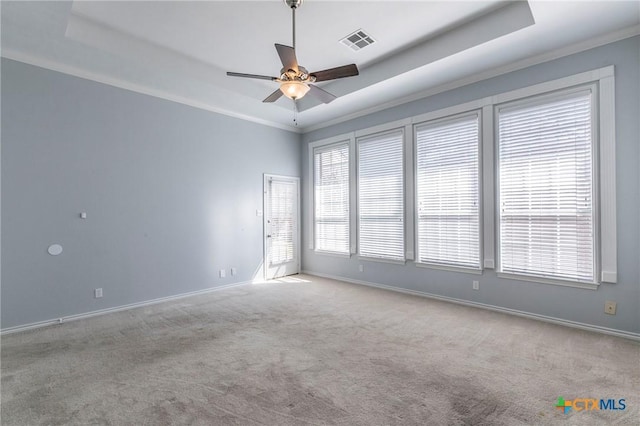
(181, 50)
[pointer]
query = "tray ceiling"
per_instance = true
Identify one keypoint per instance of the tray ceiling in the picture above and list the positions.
(181, 50)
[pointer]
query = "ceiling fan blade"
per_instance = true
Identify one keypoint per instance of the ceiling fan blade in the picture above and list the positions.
(321, 94)
(338, 72)
(260, 77)
(288, 57)
(274, 96)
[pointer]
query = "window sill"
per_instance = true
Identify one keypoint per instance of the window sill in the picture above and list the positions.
(462, 269)
(542, 280)
(333, 253)
(382, 260)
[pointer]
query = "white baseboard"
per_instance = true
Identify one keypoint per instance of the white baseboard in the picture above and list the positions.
(553, 320)
(19, 328)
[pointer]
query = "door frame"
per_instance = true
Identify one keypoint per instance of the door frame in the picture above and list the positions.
(266, 215)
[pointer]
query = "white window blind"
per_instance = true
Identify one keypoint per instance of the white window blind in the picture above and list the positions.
(447, 186)
(381, 195)
(282, 218)
(331, 184)
(546, 188)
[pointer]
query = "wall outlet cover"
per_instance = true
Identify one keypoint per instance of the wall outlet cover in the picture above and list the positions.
(610, 307)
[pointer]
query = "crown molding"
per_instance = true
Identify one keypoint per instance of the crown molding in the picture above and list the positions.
(134, 87)
(504, 69)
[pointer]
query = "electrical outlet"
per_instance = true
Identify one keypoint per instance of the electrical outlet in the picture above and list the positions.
(234, 271)
(223, 273)
(361, 268)
(476, 285)
(610, 307)
(97, 293)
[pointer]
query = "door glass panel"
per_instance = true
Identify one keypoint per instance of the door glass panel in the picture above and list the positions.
(282, 218)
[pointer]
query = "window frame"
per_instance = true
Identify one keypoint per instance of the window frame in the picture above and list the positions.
(541, 99)
(452, 115)
(327, 146)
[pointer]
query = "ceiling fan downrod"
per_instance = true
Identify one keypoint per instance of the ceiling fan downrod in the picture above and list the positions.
(293, 4)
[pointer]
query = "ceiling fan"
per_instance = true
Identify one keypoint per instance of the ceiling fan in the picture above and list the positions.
(295, 81)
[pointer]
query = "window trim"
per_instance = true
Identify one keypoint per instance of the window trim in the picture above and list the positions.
(606, 146)
(544, 280)
(453, 114)
(358, 139)
(605, 79)
(605, 174)
(408, 180)
(452, 268)
(382, 260)
(488, 188)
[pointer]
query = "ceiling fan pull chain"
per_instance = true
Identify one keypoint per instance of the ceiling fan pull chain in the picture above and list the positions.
(295, 112)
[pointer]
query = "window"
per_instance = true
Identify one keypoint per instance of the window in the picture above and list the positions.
(331, 187)
(381, 195)
(523, 182)
(447, 186)
(546, 186)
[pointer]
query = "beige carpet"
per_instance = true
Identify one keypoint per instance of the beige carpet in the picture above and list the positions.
(313, 351)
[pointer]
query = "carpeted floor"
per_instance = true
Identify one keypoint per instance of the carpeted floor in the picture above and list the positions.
(313, 351)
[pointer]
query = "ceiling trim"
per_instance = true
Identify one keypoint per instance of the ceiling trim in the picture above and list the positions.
(123, 84)
(514, 66)
(133, 87)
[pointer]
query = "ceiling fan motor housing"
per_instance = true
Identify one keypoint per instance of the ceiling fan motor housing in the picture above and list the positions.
(302, 75)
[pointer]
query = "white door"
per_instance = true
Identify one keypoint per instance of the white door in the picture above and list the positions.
(281, 226)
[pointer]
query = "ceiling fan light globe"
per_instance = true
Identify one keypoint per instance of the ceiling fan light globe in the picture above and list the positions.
(294, 89)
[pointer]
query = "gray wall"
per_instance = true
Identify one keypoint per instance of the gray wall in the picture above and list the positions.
(581, 305)
(170, 192)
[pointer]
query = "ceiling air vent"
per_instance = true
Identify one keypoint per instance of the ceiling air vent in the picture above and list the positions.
(357, 40)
